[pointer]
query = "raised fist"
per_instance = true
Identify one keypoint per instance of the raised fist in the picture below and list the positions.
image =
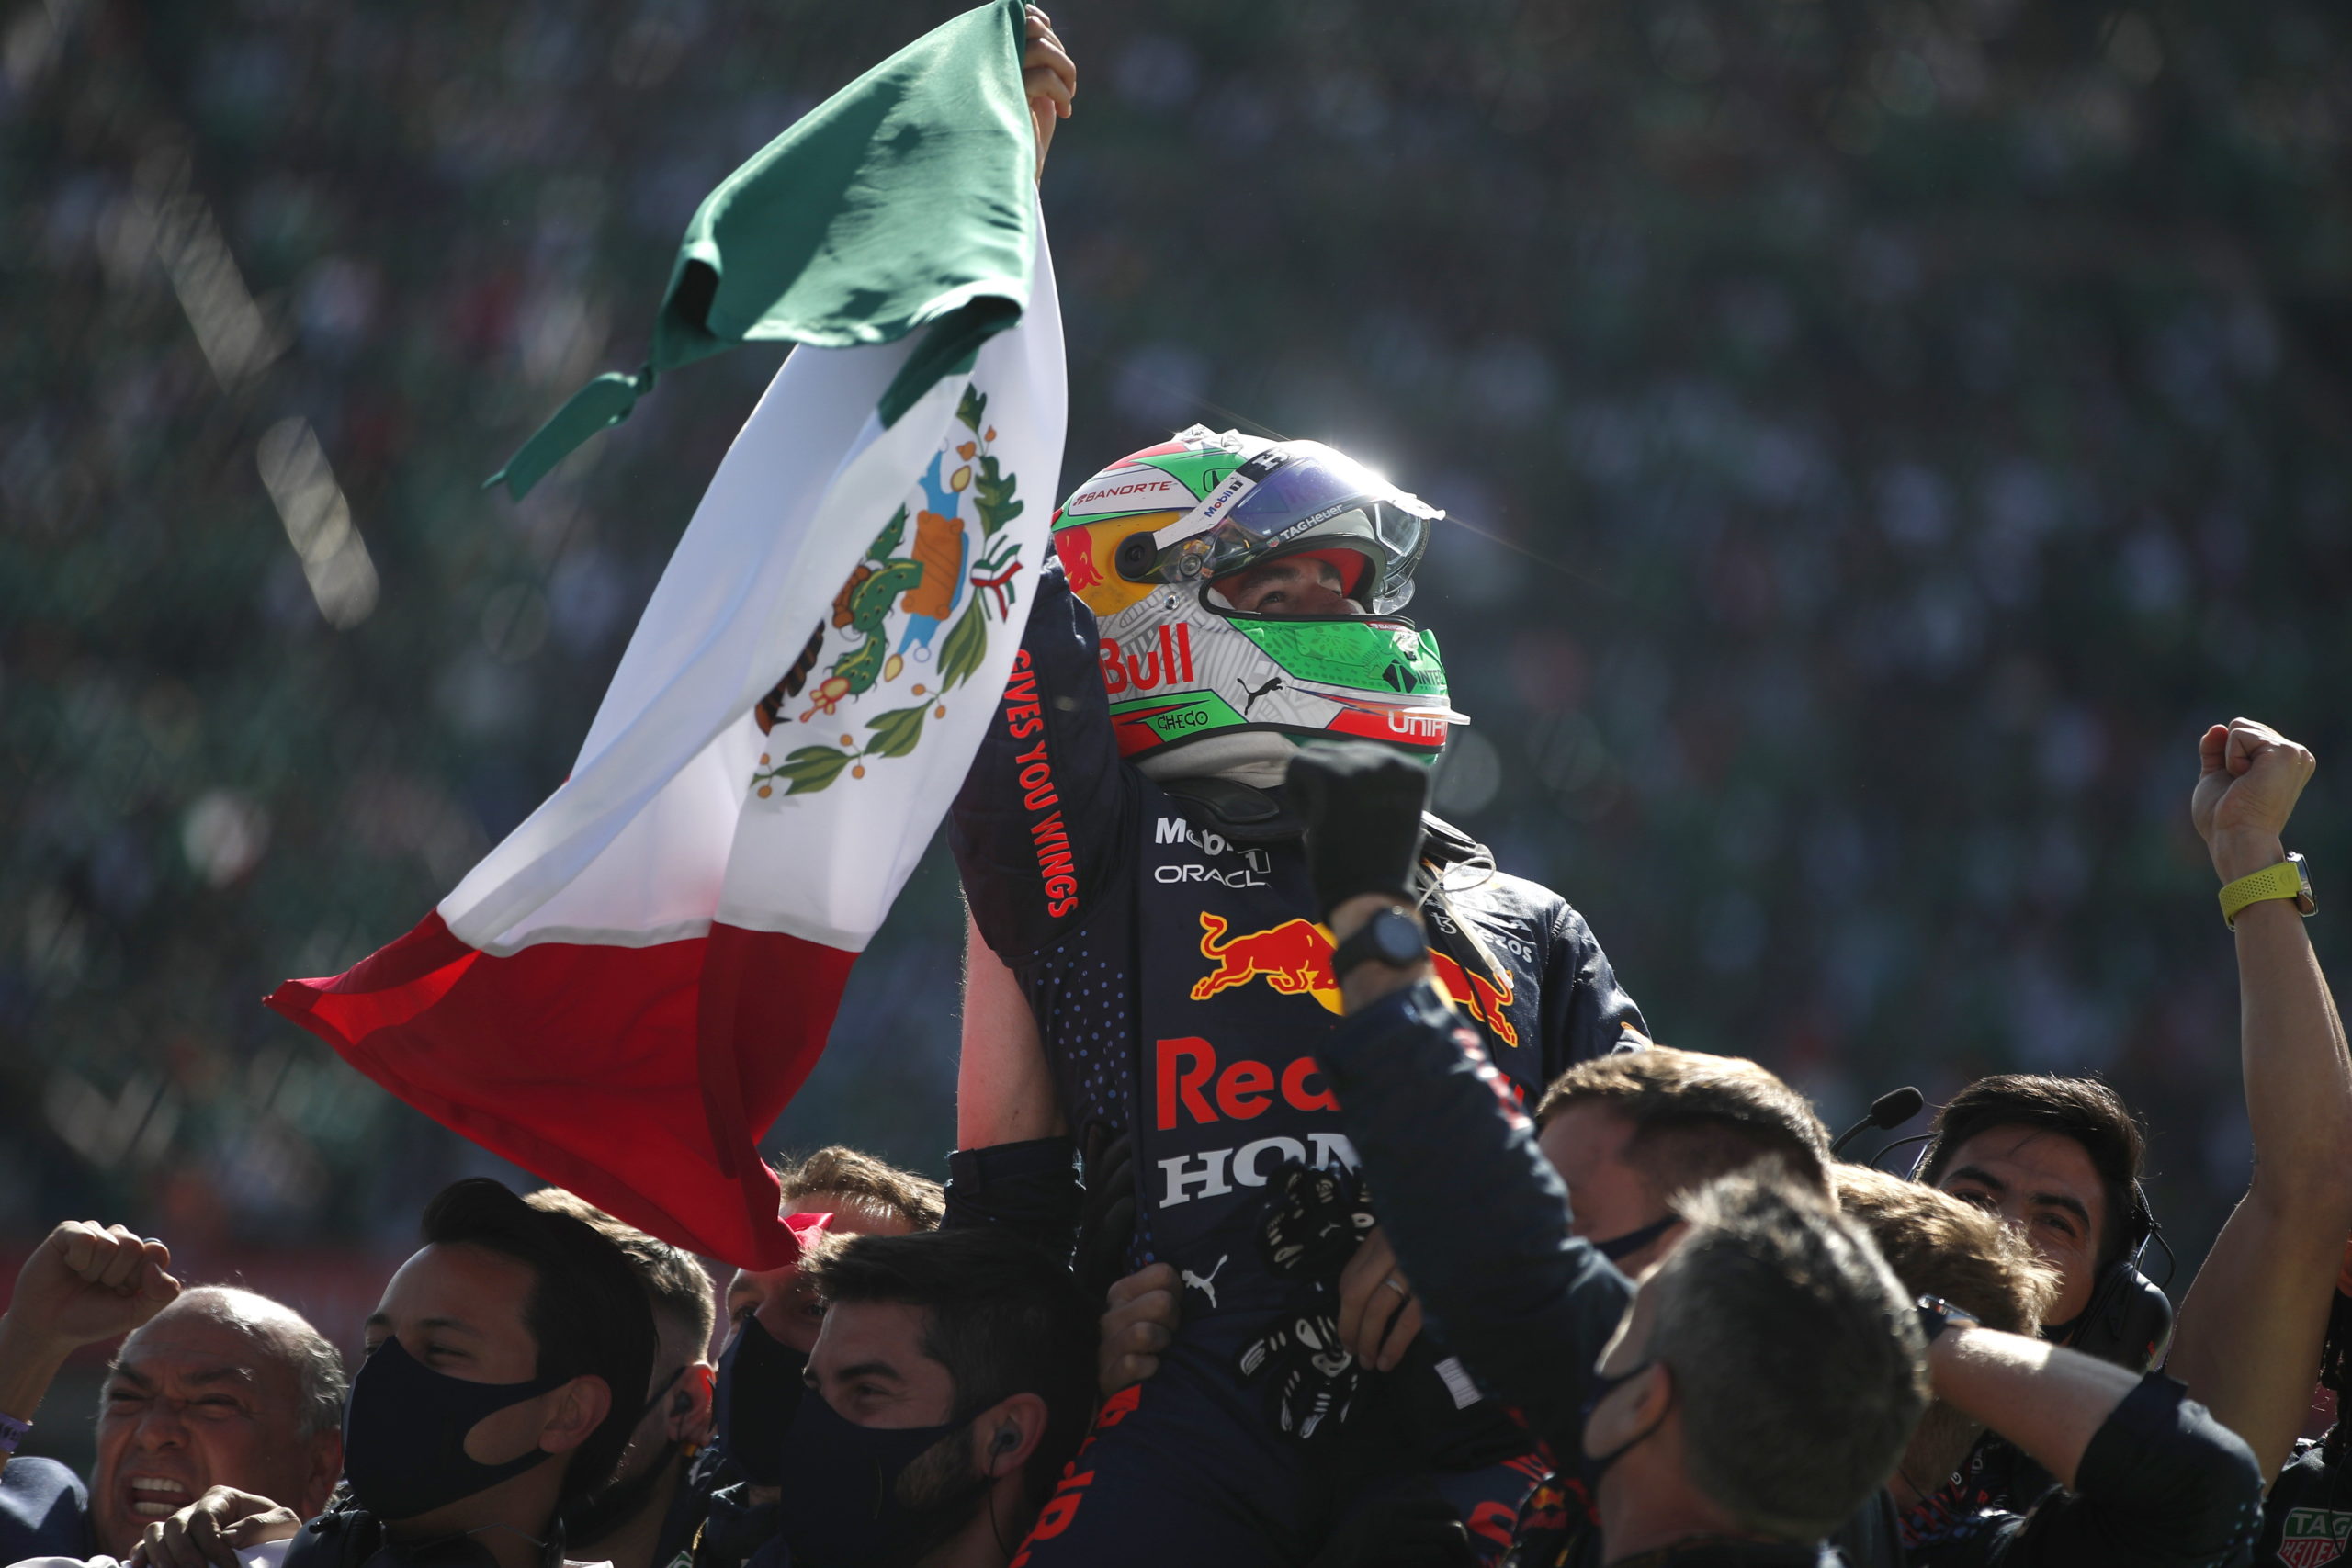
(88, 1283)
(1363, 805)
(2251, 778)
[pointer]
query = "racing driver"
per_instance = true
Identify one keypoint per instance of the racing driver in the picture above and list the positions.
(1150, 965)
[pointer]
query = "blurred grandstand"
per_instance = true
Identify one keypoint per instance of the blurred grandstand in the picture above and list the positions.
(1883, 435)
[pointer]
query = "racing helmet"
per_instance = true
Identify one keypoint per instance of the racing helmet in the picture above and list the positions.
(1143, 543)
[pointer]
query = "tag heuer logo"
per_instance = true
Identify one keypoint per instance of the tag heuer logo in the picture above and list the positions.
(2314, 1537)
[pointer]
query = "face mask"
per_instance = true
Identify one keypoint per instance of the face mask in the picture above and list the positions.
(1632, 1241)
(842, 1508)
(1592, 1466)
(753, 1401)
(613, 1507)
(404, 1432)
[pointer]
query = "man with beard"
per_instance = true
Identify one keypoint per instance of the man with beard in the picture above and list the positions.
(952, 1380)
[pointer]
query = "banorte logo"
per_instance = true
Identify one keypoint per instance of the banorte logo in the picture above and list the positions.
(1295, 958)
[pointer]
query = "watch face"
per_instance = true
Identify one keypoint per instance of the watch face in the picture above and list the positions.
(1396, 939)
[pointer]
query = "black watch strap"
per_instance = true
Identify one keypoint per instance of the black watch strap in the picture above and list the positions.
(1390, 937)
(1936, 1314)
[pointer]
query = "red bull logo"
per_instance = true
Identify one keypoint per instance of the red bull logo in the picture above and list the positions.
(1295, 958)
(1475, 995)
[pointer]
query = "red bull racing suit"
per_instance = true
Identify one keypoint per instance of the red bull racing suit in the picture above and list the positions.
(1166, 941)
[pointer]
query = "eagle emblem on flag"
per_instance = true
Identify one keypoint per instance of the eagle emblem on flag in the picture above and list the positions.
(884, 634)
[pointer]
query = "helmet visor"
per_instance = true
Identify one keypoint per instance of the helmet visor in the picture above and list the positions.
(1326, 497)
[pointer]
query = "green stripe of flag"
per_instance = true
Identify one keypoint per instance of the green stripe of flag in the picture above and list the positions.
(902, 202)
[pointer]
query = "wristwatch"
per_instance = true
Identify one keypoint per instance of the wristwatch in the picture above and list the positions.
(1391, 937)
(1936, 1314)
(2290, 879)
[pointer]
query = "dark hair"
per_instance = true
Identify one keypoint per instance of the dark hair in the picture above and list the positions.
(674, 1283)
(1000, 1315)
(2082, 1109)
(918, 1199)
(586, 1311)
(1696, 1117)
(1795, 1354)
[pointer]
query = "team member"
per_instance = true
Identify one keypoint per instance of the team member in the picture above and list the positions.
(951, 1382)
(1630, 1133)
(649, 1511)
(1148, 958)
(1627, 1133)
(2252, 1324)
(2308, 1516)
(484, 1412)
(2150, 1479)
(213, 1387)
(2058, 1159)
(1762, 1378)
(773, 1316)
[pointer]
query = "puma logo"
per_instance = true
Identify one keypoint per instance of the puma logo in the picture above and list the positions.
(1207, 1286)
(1272, 685)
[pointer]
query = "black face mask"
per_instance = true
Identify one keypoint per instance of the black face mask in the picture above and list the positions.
(618, 1503)
(1632, 1241)
(404, 1430)
(752, 1400)
(1590, 1466)
(842, 1508)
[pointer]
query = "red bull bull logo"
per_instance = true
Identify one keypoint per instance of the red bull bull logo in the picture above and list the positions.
(1295, 958)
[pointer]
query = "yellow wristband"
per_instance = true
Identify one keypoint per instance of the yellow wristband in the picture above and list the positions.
(2284, 880)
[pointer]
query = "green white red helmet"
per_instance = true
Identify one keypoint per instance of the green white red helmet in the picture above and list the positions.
(1143, 541)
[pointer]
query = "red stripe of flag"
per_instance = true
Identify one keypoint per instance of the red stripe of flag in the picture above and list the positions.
(638, 1077)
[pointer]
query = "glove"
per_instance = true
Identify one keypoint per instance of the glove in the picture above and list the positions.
(1363, 805)
(1413, 1528)
(1106, 1216)
(1029, 1187)
(1312, 1378)
(1314, 1220)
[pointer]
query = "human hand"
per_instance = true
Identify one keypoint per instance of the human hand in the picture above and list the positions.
(1141, 1323)
(1049, 77)
(1378, 1312)
(211, 1531)
(1362, 804)
(1313, 1379)
(2251, 778)
(1315, 1219)
(87, 1282)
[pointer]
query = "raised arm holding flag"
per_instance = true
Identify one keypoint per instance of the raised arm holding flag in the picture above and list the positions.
(626, 991)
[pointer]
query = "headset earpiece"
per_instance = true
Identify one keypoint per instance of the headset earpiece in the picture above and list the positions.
(1005, 1441)
(2129, 1320)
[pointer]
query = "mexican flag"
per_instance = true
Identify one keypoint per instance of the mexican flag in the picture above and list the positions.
(623, 996)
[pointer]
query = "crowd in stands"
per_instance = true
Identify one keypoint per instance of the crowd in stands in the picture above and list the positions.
(1919, 415)
(1446, 1261)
